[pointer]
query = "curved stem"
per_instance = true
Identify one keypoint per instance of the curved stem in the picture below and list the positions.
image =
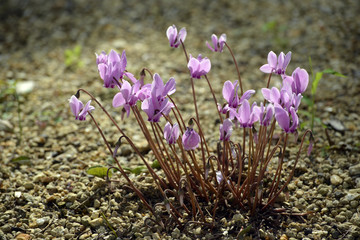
(140, 195)
(106, 112)
(291, 174)
(237, 67)
(213, 94)
(278, 171)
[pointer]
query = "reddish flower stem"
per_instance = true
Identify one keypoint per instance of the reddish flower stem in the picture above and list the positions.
(140, 195)
(237, 67)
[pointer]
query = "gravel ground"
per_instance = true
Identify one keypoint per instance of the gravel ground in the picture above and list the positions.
(47, 193)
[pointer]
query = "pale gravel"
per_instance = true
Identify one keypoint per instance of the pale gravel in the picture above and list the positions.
(54, 198)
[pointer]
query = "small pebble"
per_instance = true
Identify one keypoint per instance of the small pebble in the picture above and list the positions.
(96, 222)
(354, 170)
(23, 236)
(336, 180)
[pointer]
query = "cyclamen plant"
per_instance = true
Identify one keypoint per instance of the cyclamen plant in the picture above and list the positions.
(196, 176)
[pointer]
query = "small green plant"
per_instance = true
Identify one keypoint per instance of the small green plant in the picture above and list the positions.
(9, 99)
(7, 96)
(310, 101)
(72, 58)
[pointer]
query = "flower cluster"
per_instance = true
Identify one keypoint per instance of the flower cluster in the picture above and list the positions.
(282, 103)
(189, 164)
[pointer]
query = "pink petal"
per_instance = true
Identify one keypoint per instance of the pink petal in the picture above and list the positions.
(182, 34)
(287, 60)
(102, 70)
(266, 93)
(275, 95)
(266, 68)
(244, 112)
(118, 100)
(169, 87)
(282, 117)
(113, 57)
(281, 60)
(209, 46)
(205, 65)
(272, 59)
(214, 40)
(228, 91)
(303, 77)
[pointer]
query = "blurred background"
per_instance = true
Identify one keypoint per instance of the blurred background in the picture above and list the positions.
(47, 48)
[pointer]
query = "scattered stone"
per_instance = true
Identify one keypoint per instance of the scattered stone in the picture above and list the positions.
(340, 218)
(6, 228)
(17, 194)
(156, 236)
(197, 231)
(239, 218)
(71, 197)
(336, 180)
(23, 236)
(354, 170)
(96, 203)
(323, 190)
(42, 221)
(28, 185)
(6, 126)
(336, 124)
(176, 233)
(352, 196)
(2, 235)
(96, 222)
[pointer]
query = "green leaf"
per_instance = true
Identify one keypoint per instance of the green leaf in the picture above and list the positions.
(333, 72)
(269, 26)
(77, 50)
(244, 231)
(315, 83)
(136, 170)
(155, 164)
(98, 171)
(21, 160)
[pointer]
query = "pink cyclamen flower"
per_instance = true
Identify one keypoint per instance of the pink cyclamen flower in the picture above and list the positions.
(284, 120)
(266, 115)
(111, 67)
(127, 97)
(160, 90)
(190, 139)
(77, 108)
(218, 43)
(199, 66)
(157, 103)
(276, 64)
(219, 177)
(247, 115)
(226, 130)
(271, 95)
(298, 81)
(154, 108)
(230, 94)
(311, 144)
(174, 37)
(171, 133)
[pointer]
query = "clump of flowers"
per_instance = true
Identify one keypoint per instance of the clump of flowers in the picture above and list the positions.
(201, 179)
